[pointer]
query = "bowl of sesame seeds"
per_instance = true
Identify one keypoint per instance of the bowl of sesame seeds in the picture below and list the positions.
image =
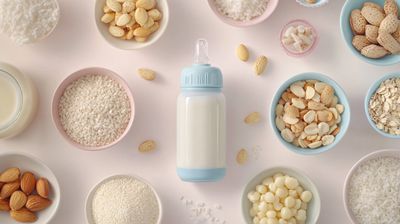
(93, 108)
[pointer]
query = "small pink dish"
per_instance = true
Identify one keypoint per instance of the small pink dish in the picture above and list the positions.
(75, 76)
(272, 4)
(298, 22)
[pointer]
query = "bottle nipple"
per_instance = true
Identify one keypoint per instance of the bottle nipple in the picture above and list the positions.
(201, 52)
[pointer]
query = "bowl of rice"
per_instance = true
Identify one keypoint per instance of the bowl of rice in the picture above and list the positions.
(372, 187)
(243, 13)
(93, 108)
(123, 199)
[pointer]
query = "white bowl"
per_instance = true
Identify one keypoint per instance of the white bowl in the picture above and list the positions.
(89, 198)
(26, 162)
(374, 155)
(162, 5)
(314, 206)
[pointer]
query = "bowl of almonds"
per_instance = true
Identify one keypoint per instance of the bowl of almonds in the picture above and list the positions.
(371, 30)
(382, 105)
(310, 113)
(29, 190)
(131, 24)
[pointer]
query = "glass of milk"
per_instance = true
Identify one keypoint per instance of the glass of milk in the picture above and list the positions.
(18, 101)
(201, 121)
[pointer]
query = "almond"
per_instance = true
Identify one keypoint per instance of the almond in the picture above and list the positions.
(8, 189)
(391, 7)
(242, 156)
(114, 5)
(23, 215)
(147, 146)
(327, 95)
(357, 22)
(389, 24)
(372, 15)
(155, 14)
(146, 4)
(242, 52)
(43, 187)
(360, 41)
(4, 205)
(10, 175)
(374, 51)
(373, 5)
(28, 183)
(17, 200)
(141, 32)
(388, 42)
(371, 33)
(260, 64)
(252, 118)
(141, 16)
(147, 74)
(36, 203)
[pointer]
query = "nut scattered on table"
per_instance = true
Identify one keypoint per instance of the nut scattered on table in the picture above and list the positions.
(22, 195)
(308, 114)
(260, 64)
(242, 52)
(242, 156)
(130, 20)
(252, 118)
(384, 108)
(147, 146)
(147, 74)
(380, 27)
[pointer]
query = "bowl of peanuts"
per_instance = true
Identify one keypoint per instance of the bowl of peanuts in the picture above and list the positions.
(129, 24)
(310, 113)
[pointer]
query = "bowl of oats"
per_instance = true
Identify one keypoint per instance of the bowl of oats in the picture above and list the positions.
(310, 113)
(381, 105)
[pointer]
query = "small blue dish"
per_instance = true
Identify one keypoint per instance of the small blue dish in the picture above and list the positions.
(347, 33)
(344, 124)
(371, 91)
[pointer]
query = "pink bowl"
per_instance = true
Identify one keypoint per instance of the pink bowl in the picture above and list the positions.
(374, 155)
(296, 23)
(76, 75)
(272, 4)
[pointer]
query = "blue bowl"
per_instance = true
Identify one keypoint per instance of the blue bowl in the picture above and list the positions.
(344, 124)
(347, 34)
(370, 92)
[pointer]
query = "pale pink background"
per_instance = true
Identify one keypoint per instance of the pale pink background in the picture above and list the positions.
(76, 44)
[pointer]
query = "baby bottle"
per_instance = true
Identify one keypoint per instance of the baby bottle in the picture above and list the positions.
(201, 121)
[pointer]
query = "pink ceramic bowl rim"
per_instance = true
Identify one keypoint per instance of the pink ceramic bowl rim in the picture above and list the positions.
(76, 75)
(310, 49)
(268, 12)
(373, 155)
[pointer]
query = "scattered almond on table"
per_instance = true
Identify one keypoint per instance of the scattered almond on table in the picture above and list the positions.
(252, 118)
(147, 146)
(129, 19)
(376, 30)
(242, 156)
(147, 74)
(22, 195)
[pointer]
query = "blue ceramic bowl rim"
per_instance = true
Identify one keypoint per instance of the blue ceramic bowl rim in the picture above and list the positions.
(339, 92)
(344, 25)
(372, 89)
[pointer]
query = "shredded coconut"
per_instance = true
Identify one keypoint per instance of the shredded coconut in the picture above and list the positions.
(94, 110)
(26, 21)
(243, 10)
(374, 193)
(125, 200)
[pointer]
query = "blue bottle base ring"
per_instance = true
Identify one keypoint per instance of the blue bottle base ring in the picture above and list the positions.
(201, 175)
